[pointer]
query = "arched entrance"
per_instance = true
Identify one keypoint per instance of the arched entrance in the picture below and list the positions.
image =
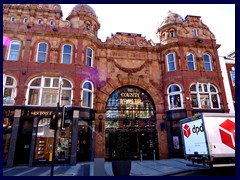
(131, 109)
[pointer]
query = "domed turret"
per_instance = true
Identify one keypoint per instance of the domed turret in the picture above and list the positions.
(172, 18)
(84, 17)
(84, 8)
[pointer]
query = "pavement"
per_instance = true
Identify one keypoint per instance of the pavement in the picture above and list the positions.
(164, 167)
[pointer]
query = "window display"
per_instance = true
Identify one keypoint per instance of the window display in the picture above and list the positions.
(44, 142)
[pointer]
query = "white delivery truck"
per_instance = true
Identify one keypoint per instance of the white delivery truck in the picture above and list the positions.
(209, 138)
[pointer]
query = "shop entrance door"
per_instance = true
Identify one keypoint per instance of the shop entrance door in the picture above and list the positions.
(24, 141)
(83, 152)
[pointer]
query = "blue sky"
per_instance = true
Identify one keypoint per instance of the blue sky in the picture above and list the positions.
(145, 18)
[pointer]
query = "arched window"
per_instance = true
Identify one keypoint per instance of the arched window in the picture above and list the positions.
(89, 57)
(171, 62)
(42, 52)
(204, 95)
(207, 62)
(14, 49)
(9, 89)
(48, 91)
(172, 34)
(87, 95)
(175, 99)
(66, 54)
(190, 61)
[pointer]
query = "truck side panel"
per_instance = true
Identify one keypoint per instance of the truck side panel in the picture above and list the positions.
(220, 132)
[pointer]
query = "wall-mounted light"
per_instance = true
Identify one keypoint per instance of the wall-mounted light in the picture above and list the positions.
(55, 29)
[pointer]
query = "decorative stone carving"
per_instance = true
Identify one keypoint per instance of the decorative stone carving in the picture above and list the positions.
(129, 70)
(127, 39)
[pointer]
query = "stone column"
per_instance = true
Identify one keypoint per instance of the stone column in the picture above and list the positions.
(14, 135)
(33, 142)
(73, 158)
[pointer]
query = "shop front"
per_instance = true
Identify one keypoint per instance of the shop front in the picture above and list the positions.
(28, 139)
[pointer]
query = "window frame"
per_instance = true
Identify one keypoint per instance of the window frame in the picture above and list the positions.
(172, 34)
(195, 32)
(191, 61)
(205, 63)
(12, 51)
(172, 61)
(204, 90)
(12, 19)
(42, 91)
(13, 91)
(89, 59)
(87, 91)
(171, 106)
(46, 52)
(70, 60)
(25, 20)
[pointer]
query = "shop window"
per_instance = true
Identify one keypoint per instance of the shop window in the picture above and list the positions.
(48, 91)
(42, 52)
(171, 62)
(66, 54)
(89, 57)
(44, 142)
(204, 95)
(207, 62)
(87, 95)
(9, 90)
(190, 61)
(14, 48)
(7, 130)
(175, 97)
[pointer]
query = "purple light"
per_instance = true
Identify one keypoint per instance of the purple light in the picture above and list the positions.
(6, 41)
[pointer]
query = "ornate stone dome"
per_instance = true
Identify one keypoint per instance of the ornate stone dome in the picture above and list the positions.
(172, 18)
(85, 9)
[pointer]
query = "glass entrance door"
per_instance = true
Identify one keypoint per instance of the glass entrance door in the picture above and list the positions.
(24, 141)
(131, 109)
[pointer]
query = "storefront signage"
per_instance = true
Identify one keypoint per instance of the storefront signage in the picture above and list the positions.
(131, 95)
(40, 113)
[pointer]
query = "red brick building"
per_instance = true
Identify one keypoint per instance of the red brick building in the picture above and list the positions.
(127, 83)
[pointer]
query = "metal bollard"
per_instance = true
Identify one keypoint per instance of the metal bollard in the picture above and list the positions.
(140, 155)
(154, 157)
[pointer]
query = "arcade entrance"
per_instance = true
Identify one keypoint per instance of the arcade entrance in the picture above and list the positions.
(131, 109)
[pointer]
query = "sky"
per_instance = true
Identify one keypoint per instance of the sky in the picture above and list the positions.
(144, 19)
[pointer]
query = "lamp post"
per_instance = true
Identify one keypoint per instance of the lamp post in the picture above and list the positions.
(55, 130)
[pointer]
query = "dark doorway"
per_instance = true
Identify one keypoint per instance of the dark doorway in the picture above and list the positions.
(83, 144)
(24, 138)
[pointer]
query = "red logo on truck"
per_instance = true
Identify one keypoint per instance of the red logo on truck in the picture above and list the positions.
(227, 133)
(186, 131)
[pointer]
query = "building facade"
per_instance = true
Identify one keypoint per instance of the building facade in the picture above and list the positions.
(228, 71)
(127, 83)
